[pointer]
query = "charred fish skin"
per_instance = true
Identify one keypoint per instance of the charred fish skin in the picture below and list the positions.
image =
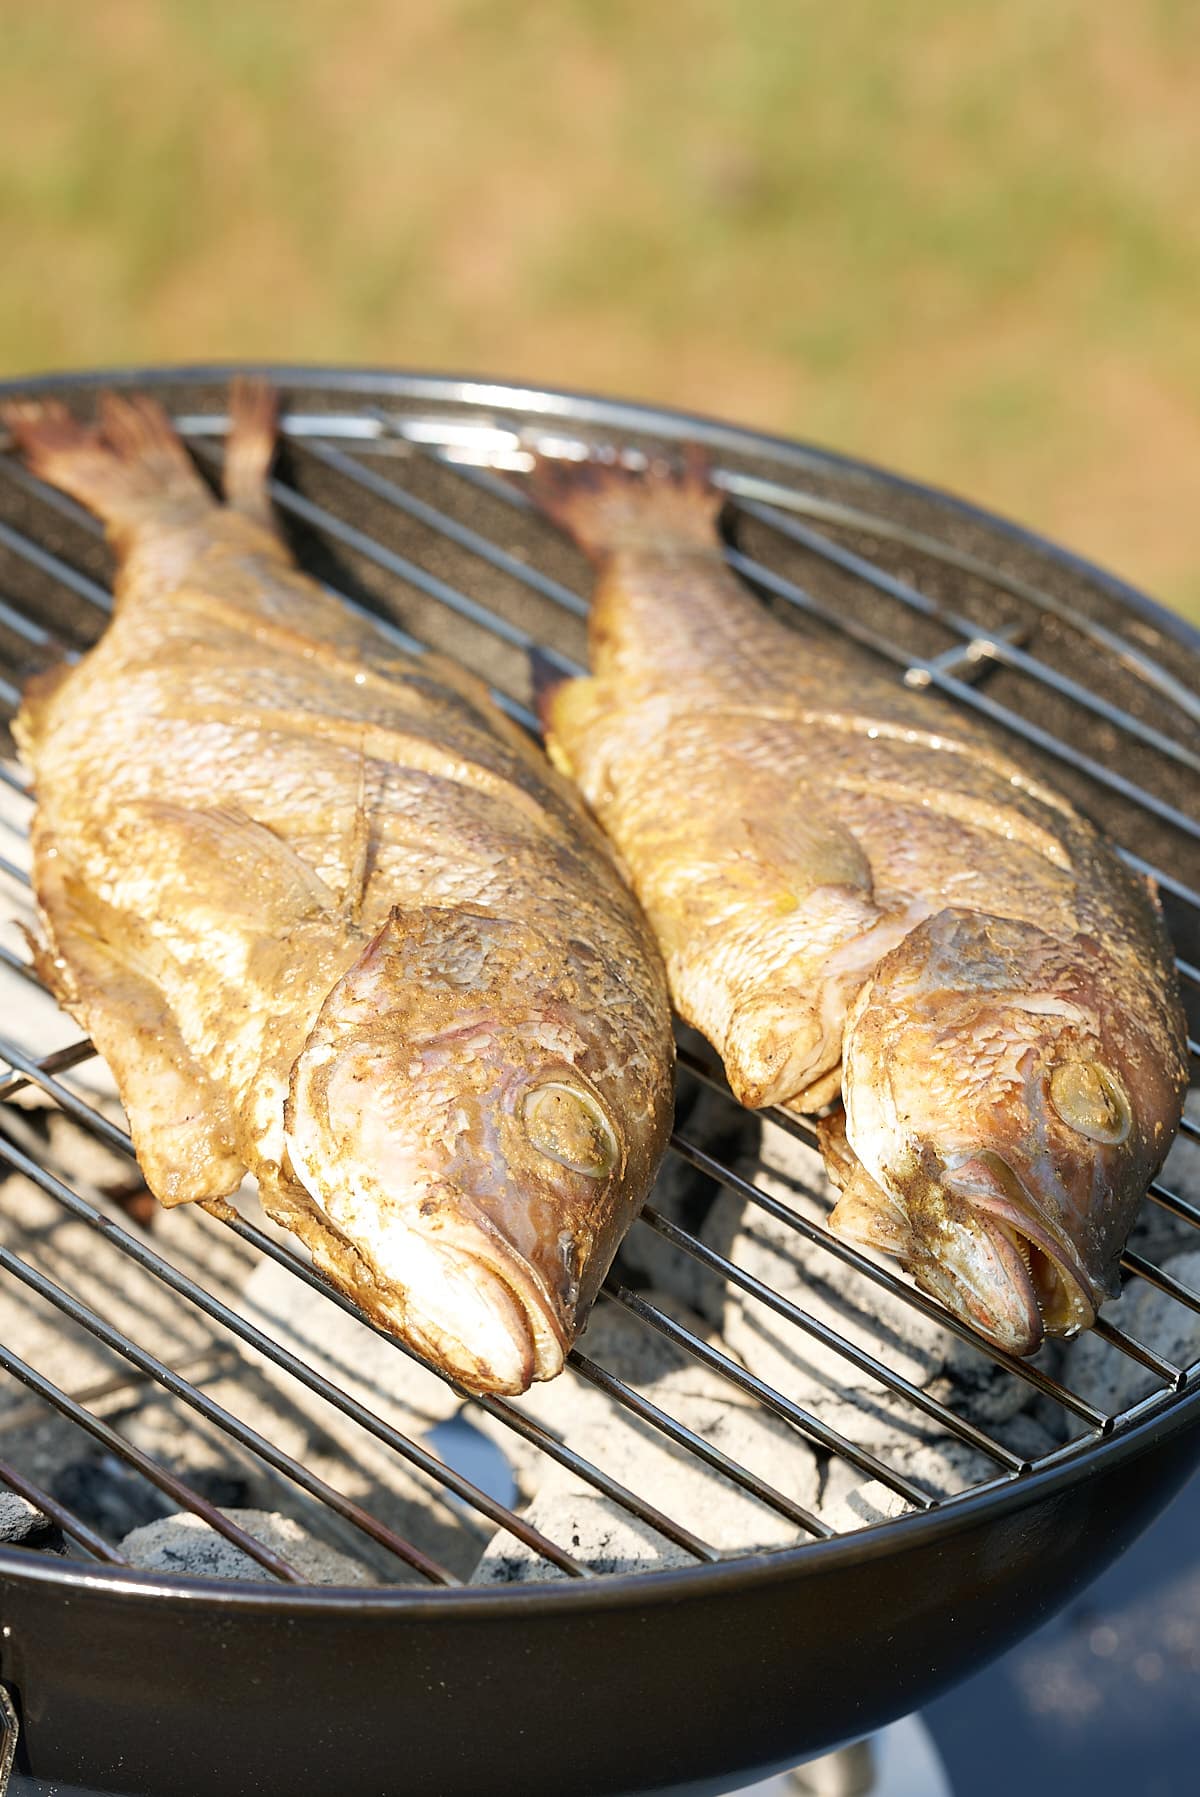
(859, 892)
(333, 920)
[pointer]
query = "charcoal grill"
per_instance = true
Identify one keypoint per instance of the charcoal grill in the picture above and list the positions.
(404, 494)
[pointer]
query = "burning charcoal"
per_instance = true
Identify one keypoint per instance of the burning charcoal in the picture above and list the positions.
(375, 1373)
(201, 1456)
(21, 1525)
(817, 1375)
(115, 1497)
(367, 1367)
(135, 1198)
(1158, 1234)
(645, 1460)
(862, 1505)
(632, 1350)
(624, 1347)
(943, 1466)
(591, 1528)
(182, 1543)
(714, 1507)
(1108, 1378)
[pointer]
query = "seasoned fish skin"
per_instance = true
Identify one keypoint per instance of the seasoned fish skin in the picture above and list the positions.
(859, 891)
(333, 920)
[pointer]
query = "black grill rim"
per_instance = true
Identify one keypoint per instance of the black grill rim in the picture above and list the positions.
(1164, 1416)
(592, 408)
(1167, 1417)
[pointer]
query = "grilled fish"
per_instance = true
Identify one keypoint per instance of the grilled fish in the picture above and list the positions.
(858, 891)
(333, 920)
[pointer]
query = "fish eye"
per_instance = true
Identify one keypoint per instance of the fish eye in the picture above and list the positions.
(1090, 1100)
(568, 1126)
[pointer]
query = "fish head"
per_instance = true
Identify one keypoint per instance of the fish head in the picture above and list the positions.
(477, 1137)
(1008, 1102)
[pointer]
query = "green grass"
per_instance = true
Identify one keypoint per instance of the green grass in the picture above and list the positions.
(959, 239)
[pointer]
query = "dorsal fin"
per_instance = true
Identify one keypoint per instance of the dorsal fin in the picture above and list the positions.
(249, 447)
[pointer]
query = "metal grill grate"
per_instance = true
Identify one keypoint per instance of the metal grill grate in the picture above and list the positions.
(390, 495)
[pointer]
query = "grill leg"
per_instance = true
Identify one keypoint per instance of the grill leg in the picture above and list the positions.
(9, 1730)
(847, 1772)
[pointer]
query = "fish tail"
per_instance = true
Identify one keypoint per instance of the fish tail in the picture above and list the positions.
(546, 677)
(253, 421)
(123, 467)
(605, 505)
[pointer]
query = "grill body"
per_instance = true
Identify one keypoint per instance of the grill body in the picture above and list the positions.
(697, 1678)
(667, 1680)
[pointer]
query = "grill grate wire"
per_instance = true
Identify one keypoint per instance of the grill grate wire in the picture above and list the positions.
(318, 440)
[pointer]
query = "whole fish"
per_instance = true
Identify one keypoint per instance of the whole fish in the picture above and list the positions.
(858, 890)
(333, 920)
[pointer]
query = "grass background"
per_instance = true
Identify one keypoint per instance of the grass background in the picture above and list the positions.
(958, 237)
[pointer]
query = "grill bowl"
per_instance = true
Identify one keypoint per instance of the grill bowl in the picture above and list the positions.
(700, 1677)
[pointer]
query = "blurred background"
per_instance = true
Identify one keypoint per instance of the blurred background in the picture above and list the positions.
(963, 241)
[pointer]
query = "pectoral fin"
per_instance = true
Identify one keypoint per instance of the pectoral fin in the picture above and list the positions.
(181, 1123)
(806, 849)
(865, 1212)
(229, 861)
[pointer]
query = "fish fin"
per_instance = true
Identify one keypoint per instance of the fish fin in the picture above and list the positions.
(230, 862)
(122, 468)
(819, 1092)
(865, 1213)
(253, 424)
(1151, 885)
(840, 1159)
(568, 711)
(546, 677)
(37, 696)
(50, 969)
(101, 960)
(805, 851)
(360, 848)
(605, 505)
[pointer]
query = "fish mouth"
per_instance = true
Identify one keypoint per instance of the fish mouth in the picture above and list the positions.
(1018, 1280)
(481, 1313)
(447, 1282)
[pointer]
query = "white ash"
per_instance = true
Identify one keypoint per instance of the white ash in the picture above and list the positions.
(96, 1270)
(387, 1382)
(1110, 1379)
(570, 1408)
(591, 1528)
(856, 1506)
(1060, 1424)
(1158, 1234)
(184, 1544)
(819, 1377)
(367, 1367)
(112, 1496)
(942, 1466)
(671, 1477)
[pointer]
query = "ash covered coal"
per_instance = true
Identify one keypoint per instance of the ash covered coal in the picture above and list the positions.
(23, 1525)
(181, 1542)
